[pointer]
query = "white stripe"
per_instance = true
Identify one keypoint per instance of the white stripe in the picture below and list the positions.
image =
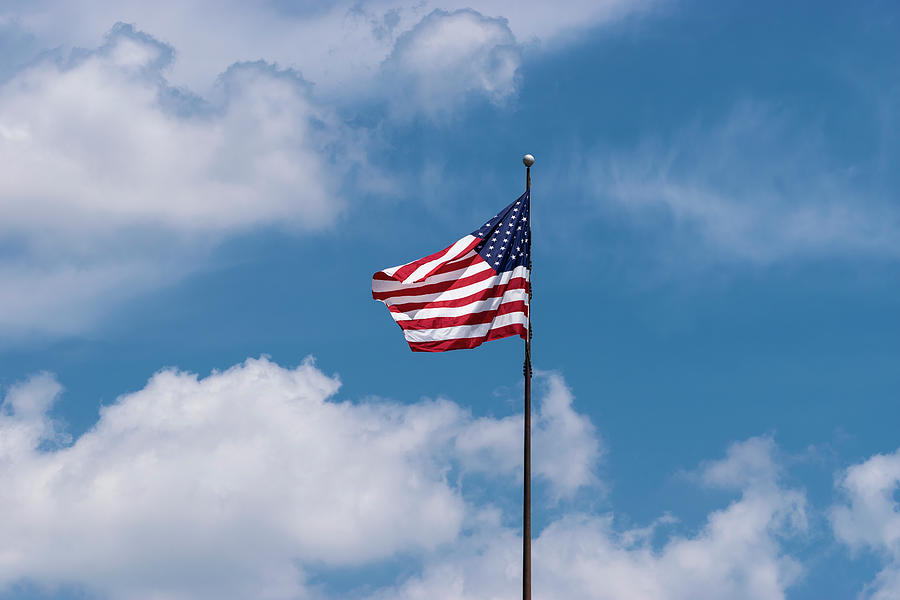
(391, 270)
(462, 292)
(452, 252)
(458, 311)
(464, 331)
(381, 286)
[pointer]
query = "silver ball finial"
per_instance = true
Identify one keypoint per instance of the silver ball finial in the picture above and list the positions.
(528, 160)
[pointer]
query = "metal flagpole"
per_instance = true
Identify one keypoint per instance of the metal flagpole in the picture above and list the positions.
(528, 160)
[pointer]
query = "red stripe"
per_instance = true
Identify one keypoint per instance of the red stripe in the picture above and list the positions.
(453, 265)
(466, 343)
(436, 288)
(404, 271)
(469, 319)
(516, 283)
(408, 269)
(459, 263)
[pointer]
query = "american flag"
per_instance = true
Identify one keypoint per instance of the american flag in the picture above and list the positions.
(471, 292)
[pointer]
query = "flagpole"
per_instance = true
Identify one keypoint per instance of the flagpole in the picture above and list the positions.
(528, 160)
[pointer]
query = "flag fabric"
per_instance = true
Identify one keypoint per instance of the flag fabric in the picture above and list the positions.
(473, 291)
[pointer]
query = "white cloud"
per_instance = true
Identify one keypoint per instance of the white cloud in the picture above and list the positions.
(99, 144)
(447, 56)
(570, 448)
(870, 517)
(749, 464)
(245, 482)
(336, 44)
(233, 485)
(737, 554)
(124, 168)
(64, 295)
(755, 187)
(116, 183)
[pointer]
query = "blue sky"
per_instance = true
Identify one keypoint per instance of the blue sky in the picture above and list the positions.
(200, 398)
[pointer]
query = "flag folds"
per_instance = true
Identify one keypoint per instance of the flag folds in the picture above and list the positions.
(473, 291)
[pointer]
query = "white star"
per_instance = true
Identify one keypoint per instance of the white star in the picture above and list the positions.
(497, 263)
(515, 210)
(505, 239)
(503, 247)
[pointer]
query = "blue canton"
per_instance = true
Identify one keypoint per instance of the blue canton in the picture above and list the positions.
(506, 239)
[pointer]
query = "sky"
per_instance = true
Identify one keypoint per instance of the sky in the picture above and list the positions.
(199, 398)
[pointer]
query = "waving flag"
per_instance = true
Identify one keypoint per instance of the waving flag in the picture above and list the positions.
(471, 292)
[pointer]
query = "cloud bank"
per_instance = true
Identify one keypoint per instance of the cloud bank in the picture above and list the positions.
(339, 45)
(117, 183)
(125, 168)
(250, 481)
(101, 141)
(738, 553)
(238, 484)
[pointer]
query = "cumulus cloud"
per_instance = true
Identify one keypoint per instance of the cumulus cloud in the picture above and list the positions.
(124, 167)
(446, 57)
(234, 485)
(339, 44)
(105, 142)
(738, 553)
(247, 482)
(869, 518)
(495, 445)
(115, 182)
(755, 189)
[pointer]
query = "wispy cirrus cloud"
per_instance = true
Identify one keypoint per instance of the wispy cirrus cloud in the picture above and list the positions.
(753, 187)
